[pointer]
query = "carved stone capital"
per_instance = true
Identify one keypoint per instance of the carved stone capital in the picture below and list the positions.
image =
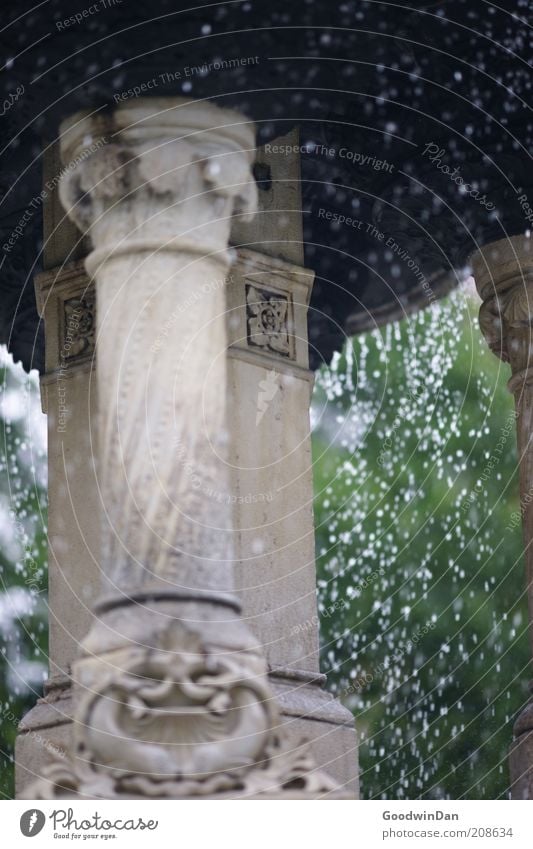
(162, 174)
(503, 272)
(67, 303)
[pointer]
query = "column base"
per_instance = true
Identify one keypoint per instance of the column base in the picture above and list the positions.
(310, 712)
(307, 711)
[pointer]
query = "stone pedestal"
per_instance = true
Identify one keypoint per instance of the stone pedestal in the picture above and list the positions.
(503, 273)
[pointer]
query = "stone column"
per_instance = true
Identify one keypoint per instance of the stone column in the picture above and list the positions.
(171, 688)
(503, 272)
(269, 464)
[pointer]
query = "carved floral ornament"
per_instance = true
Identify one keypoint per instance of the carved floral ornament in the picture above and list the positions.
(79, 326)
(267, 320)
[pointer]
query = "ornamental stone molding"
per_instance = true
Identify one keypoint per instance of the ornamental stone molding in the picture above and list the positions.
(503, 272)
(172, 693)
(66, 300)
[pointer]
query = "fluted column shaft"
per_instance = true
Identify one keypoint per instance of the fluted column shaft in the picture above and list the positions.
(157, 200)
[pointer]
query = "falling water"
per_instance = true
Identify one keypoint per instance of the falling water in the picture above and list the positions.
(420, 573)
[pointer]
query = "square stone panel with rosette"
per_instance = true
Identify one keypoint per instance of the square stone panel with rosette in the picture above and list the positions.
(268, 320)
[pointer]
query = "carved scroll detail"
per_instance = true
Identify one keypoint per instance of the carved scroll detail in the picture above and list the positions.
(181, 721)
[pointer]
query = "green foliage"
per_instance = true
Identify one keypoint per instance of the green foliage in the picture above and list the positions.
(421, 580)
(23, 560)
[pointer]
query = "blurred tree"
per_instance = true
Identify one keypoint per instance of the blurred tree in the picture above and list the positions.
(419, 553)
(23, 556)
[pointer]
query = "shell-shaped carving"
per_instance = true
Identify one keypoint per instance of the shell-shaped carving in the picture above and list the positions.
(179, 722)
